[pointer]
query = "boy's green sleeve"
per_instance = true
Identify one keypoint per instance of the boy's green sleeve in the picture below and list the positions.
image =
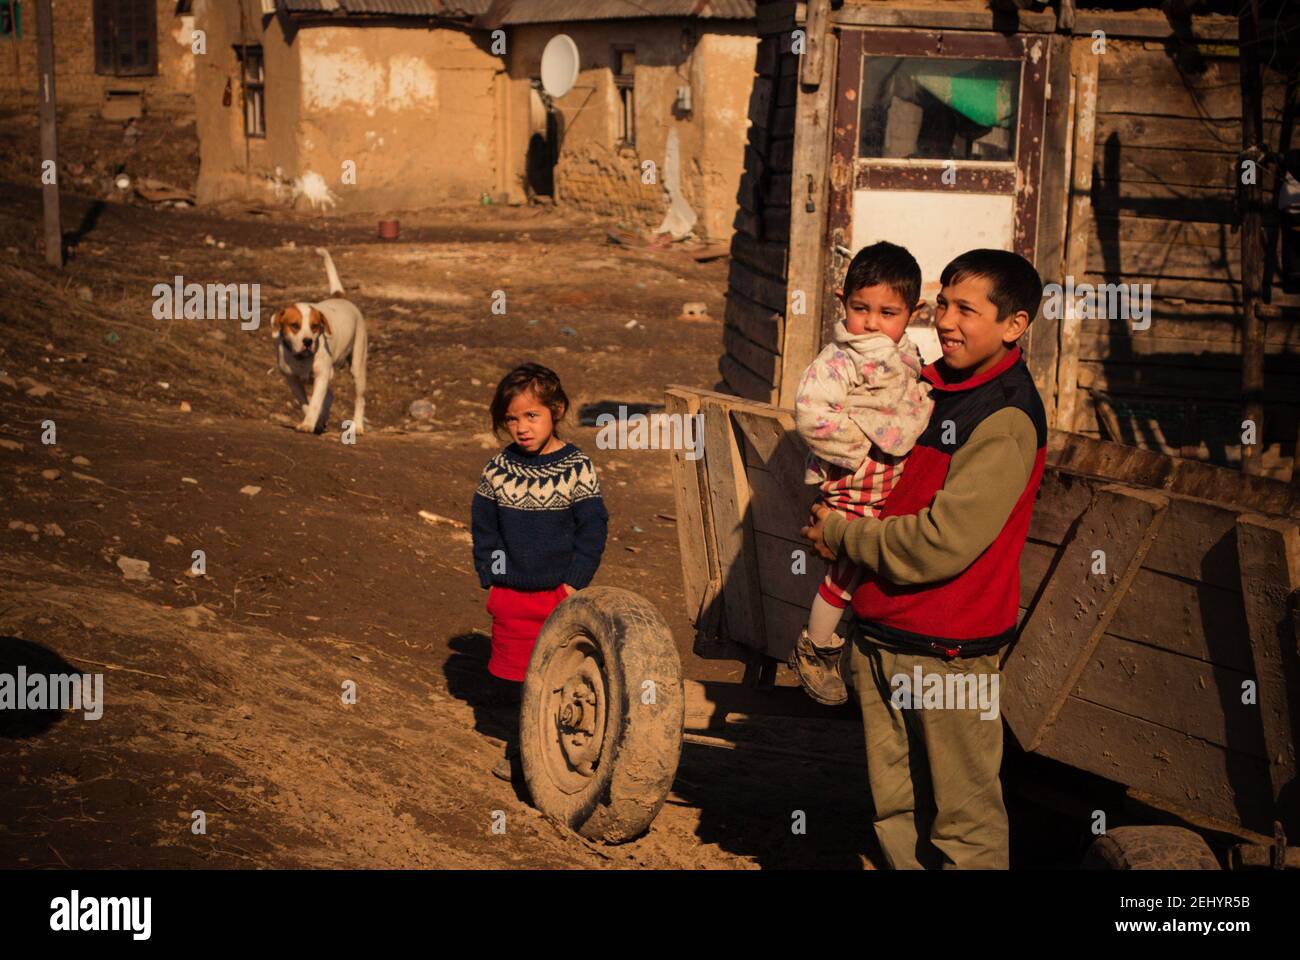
(986, 477)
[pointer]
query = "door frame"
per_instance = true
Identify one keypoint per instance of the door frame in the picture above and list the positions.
(849, 173)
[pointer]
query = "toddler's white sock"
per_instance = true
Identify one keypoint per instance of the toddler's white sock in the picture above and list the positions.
(823, 618)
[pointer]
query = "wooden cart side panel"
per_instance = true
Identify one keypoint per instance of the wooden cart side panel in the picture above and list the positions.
(1065, 626)
(701, 579)
(1117, 461)
(1269, 552)
(1188, 697)
(1145, 755)
(729, 497)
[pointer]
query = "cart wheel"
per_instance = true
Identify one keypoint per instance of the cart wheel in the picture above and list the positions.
(600, 726)
(1149, 848)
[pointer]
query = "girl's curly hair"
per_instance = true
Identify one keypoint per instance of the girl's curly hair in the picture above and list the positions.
(532, 378)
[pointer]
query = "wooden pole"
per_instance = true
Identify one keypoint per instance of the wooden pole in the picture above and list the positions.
(1252, 233)
(49, 133)
(1085, 65)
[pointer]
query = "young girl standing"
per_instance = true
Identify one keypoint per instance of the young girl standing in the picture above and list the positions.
(538, 523)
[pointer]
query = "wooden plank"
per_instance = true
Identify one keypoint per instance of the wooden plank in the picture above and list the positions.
(784, 621)
(1084, 87)
(1161, 380)
(48, 109)
(1062, 500)
(763, 363)
(1043, 337)
(1174, 133)
(1195, 619)
(782, 155)
(778, 558)
(755, 286)
(1170, 97)
(1155, 25)
(943, 18)
(1133, 259)
(767, 259)
(817, 29)
(1193, 697)
(1203, 204)
(746, 383)
(1035, 561)
(777, 191)
(729, 497)
(775, 18)
(758, 323)
(1063, 629)
(1153, 758)
(1071, 454)
(787, 86)
(776, 224)
(807, 240)
(765, 58)
(773, 445)
(779, 511)
(760, 102)
(1131, 230)
(1177, 288)
(1269, 555)
(1185, 167)
(1101, 345)
(783, 122)
(695, 540)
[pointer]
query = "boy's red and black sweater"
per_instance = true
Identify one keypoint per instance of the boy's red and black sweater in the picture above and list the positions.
(942, 563)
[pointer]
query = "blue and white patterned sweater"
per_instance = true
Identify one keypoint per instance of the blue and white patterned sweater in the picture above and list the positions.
(546, 513)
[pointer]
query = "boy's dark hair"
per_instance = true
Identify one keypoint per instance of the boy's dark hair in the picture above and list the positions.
(1014, 284)
(529, 378)
(886, 263)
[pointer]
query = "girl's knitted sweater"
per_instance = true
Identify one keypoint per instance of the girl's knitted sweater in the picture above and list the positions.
(538, 520)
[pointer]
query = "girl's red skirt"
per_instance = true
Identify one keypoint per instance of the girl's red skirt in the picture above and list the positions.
(517, 618)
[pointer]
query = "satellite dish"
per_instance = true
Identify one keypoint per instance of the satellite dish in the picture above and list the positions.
(559, 65)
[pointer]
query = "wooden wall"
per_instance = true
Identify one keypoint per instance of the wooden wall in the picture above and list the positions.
(753, 329)
(1167, 136)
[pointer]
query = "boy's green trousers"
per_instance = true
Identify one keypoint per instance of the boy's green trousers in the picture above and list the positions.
(933, 772)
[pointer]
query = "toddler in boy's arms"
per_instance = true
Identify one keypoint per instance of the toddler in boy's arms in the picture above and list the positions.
(860, 406)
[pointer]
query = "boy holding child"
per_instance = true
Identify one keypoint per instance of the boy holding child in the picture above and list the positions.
(940, 578)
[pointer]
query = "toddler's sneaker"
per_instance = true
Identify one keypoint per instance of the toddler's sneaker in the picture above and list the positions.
(819, 670)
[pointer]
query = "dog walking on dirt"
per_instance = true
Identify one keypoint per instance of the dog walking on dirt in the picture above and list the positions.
(312, 339)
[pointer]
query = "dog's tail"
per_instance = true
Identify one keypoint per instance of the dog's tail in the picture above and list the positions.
(336, 285)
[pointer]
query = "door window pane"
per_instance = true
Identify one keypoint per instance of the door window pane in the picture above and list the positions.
(934, 108)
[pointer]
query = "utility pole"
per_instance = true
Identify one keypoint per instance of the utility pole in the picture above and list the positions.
(49, 133)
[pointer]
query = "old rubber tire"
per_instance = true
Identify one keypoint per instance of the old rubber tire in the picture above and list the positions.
(1150, 848)
(600, 726)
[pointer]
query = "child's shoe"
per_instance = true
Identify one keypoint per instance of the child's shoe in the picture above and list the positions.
(819, 670)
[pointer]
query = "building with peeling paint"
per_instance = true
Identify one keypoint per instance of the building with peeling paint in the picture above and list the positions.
(380, 105)
(657, 78)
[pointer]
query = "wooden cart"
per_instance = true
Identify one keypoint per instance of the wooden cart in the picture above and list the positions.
(1157, 648)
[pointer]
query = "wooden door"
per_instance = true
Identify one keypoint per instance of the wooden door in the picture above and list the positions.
(937, 146)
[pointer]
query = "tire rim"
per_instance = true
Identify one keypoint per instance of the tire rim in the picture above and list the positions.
(573, 713)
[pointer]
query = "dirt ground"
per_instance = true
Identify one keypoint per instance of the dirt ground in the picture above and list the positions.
(223, 691)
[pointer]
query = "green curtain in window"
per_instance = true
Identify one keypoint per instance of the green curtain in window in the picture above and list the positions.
(983, 93)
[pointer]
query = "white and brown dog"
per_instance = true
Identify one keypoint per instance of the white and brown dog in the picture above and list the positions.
(314, 338)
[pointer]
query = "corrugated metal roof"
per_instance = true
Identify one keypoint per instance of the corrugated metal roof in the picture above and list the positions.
(391, 8)
(514, 12)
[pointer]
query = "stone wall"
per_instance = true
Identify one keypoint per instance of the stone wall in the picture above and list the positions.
(79, 87)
